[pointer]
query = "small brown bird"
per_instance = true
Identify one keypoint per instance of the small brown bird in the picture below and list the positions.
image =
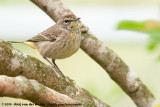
(57, 42)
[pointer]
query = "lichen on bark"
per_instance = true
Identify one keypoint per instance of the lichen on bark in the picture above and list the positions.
(32, 68)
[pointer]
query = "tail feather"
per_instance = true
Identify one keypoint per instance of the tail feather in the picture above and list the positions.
(15, 41)
(31, 44)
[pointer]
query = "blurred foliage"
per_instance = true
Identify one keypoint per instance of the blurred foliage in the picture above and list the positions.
(13, 1)
(150, 27)
(157, 105)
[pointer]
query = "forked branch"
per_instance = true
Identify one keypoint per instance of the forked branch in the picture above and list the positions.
(105, 57)
(14, 63)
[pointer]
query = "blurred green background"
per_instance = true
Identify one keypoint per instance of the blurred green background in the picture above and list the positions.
(20, 20)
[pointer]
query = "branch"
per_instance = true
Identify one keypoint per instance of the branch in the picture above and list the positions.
(14, 63)
(21, 87)
(110, 61)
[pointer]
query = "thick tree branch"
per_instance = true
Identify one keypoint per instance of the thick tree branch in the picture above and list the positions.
(15, 63)
(21, 87)
(110, 61)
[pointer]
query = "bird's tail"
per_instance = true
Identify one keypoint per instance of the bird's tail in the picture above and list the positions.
(31, 44)
(16, 41)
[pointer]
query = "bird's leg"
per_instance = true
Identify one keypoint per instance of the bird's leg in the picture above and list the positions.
(53, 61)
(53, 65)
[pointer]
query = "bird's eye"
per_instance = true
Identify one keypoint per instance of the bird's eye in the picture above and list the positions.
(66, 21)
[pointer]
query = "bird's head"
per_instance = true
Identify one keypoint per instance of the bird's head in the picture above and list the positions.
(69, 21)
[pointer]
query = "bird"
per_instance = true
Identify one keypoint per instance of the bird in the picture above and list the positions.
(57, 42)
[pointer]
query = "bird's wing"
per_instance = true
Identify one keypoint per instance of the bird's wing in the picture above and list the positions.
(48, 35)
(43, 37)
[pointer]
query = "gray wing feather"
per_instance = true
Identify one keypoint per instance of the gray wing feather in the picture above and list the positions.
(48, 35)
(43, 37)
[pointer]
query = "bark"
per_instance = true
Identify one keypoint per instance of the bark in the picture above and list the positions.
(14, 63)
(105, 57)
(21, 87)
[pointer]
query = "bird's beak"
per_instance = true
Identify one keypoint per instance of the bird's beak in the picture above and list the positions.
(76, 19)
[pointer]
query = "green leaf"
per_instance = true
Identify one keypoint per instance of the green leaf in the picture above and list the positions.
(150, 27)
(152, 46)
(131, 25)
(140, 26)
